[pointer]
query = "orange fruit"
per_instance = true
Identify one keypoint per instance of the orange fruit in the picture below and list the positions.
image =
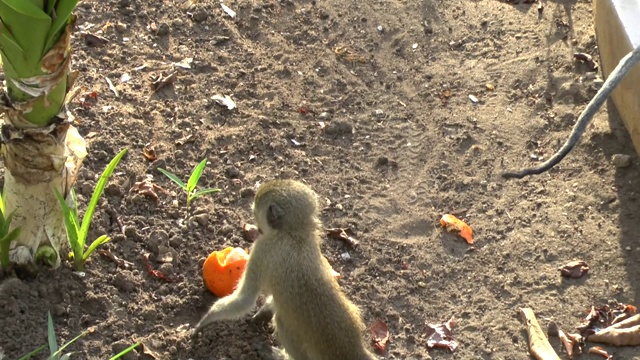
(222, 270)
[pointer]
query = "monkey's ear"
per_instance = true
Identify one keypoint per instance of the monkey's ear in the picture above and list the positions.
(274, 216)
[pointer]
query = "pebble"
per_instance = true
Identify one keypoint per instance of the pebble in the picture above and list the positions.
(621, 160)
(200, 15)
(163, 29)
(324, 116)
(338, 127)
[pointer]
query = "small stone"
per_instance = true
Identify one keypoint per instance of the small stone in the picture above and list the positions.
(338, 127)
(232, 172)
(247, 192)
(324, 116)
(382, 161)
(177, 23)
(201, 219)
(163, 29)
(621, 160)
(200, 15)
(378, 113)
(380, 28)
(422, 284)
(166, 268)
(121, 27)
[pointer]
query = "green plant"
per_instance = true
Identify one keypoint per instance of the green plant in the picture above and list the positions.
(6, 237)
(76, 232)
(55, 350)
(190, 186)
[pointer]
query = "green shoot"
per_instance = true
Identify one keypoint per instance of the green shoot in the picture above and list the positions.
(77, 232)
(190, 186)
(6, 237)
(55, 350)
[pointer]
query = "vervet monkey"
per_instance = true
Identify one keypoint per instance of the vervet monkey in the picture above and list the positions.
(624, 66)
(313, 319)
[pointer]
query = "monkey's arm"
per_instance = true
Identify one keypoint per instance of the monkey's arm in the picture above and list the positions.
(237, 304)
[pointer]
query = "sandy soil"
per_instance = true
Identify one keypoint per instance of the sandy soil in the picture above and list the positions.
(389, 137)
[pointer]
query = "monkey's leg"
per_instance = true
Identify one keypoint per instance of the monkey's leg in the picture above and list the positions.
(290, 341)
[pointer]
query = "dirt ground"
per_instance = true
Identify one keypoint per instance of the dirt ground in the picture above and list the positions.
(385, 129)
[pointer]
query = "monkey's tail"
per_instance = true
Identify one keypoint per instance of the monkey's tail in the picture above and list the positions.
(616, 76)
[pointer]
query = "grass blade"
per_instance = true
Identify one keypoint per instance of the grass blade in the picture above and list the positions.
(173, 178)
(195, 176)
(34, 352)
(51, 337)
(57, 353)
(125, 351)
(102, 182)
(204, 191)
(94, 245)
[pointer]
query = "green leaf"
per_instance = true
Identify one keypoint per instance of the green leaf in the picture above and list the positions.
(2, 207)
(102, 182)
(29, 26)
(173, 178)
(195, 176)
(14, 234)
(94, 245)
(63, 12)
(51, 337)
(71, 226)
(125, 351)
(34, 352)
(203, 192)
(57, 353)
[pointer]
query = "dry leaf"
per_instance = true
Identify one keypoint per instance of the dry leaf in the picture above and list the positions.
(538, 344)
(162, 81)
(149, 152)
(95, 40)
(224, 101)
(567, 342)
(379, 335)
(574, 269)
(624, 333)
(600, 351)
(441, 335)
(341, 234)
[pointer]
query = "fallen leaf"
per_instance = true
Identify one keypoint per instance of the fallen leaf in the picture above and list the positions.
(624, 333)
(601, 317)
(450, 222)
(224, 101)
(147, 188)
(379, 335)
(538, 343)
(95, 40)
(111, 87)
(441, 335)
(341, 234)
(587, 59)
(567, 342)
(163, 81)
(574, 269)
(600, 351)
(250, 232)
(118, 261)
(149, 152)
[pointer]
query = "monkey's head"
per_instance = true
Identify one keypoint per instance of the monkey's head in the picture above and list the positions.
(285, 205)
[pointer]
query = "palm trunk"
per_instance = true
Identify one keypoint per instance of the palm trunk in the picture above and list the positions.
(41, 149)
